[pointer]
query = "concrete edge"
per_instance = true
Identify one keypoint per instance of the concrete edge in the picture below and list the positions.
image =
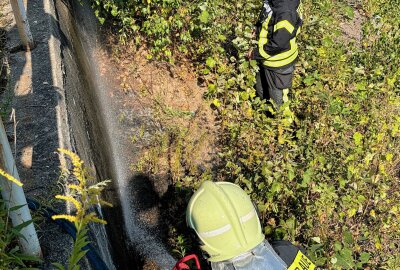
(64, 137)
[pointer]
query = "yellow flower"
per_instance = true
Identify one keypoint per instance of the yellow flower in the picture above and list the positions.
(67, 217)
(76, 161)
(78, 170)
(102, 202)
(79, 174)
(372, 213)
(98, 220)
(77, 204)
(76, 187)
(10, 178)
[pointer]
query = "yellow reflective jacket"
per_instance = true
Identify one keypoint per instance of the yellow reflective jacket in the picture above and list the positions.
(277, 28)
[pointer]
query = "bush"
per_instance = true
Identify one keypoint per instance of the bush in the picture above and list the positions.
(324, 171)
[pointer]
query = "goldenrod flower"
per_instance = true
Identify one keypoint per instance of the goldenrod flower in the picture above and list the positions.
(67, 217)
(83, 198)
(77, 204)
(78, 170)
(76, 187)
(79, 174)
(102, 202)
(98, 220)
(76, 161)
(91, 217)
(10, 178)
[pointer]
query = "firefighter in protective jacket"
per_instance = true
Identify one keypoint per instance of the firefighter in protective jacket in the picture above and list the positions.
(227, 224)
(276, 29)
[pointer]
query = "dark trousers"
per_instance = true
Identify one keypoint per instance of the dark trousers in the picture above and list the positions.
(271, 83)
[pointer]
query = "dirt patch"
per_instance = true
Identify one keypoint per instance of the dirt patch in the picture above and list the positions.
(352, 29)
(6, 16)
(176, 107)
(176, 134)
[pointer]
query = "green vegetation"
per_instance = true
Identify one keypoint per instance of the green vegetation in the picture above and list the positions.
(11, 256)
(83, 197)
(324, 170)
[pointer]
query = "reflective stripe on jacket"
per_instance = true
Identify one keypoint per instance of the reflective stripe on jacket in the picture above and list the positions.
(293, 256)
(277, 27)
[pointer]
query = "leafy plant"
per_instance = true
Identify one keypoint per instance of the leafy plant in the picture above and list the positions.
(11, 256)
(83, 197)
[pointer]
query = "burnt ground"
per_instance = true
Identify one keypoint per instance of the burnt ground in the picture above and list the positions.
(34, 96)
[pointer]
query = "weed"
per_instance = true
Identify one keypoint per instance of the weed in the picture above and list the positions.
(11, 256)
(83, 197)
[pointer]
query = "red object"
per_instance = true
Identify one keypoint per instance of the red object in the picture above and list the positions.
(181, 264)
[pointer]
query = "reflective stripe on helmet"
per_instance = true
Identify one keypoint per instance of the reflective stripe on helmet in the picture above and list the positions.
(248, 216)
(224, 219)
(216, 232)
(227, 227)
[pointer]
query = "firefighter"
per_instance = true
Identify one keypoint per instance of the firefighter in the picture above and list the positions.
(227, 224)
(276, 30)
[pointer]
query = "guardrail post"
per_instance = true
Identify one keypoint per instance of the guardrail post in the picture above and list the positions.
(22, 23)
(13, 195)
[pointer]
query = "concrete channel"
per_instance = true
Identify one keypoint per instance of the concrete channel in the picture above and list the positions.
(98, 137)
